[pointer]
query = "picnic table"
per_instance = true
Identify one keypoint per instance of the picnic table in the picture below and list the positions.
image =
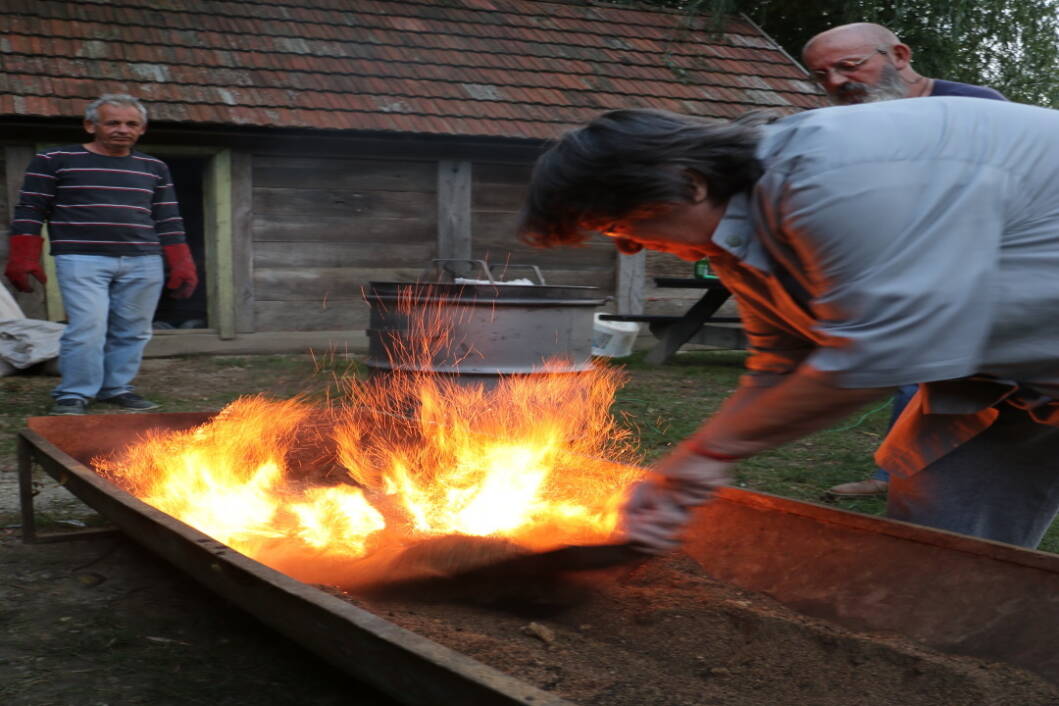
(696, 325)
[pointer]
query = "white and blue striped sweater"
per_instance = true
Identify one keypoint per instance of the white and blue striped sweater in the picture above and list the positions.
(99, 205)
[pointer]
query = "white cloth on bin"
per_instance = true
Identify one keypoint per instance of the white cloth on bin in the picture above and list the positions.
(465, 280)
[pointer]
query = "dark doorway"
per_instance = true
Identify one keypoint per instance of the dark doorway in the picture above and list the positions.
(191, 313)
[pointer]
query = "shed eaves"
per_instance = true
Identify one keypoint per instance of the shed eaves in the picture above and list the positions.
(501, 68)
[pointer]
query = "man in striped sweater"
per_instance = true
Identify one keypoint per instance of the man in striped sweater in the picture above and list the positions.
(112, 217)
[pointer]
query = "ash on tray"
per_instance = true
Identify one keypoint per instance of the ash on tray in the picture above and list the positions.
(438, 560)
(453, 555)
(487, 571)
(662, 632)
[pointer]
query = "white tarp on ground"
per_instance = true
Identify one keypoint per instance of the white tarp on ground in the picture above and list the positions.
(9, 308)
(26, 342)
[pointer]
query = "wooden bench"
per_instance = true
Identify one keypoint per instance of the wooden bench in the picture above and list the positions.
(697, 325)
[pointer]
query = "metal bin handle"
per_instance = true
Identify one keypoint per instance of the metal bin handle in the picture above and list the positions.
(442, 266)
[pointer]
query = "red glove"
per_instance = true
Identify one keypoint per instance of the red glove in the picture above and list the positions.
(24, 260)
(183, 278)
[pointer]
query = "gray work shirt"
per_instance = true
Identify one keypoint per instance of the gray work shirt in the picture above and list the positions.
(908, 241)
(902, 242)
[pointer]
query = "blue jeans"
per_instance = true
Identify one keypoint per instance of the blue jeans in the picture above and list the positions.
(902, 397)
(109, 303)
(1002, 485)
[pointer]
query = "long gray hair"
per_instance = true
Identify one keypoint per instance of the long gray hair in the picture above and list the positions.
(626, 161)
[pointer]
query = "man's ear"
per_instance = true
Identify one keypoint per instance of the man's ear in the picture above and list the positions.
(699, 192)
(90, 127)
(902, 55)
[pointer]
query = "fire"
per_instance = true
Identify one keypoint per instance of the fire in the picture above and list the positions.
(232, 479)
(524, 460)
(309, 489)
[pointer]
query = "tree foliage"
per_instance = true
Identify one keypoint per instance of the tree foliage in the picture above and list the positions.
(1009, 45)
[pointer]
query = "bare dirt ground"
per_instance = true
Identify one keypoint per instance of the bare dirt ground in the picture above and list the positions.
(663, 632)
(101, 622)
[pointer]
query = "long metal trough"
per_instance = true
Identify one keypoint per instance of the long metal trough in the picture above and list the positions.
(950, 592)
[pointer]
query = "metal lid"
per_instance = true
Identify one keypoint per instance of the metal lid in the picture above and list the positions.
(486, 294)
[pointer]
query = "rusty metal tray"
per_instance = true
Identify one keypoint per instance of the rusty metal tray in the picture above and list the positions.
(952, 593)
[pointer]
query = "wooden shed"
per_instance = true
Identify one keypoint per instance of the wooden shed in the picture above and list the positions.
(322, 144)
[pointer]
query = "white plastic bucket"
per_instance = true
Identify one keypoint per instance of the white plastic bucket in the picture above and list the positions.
(613, 339)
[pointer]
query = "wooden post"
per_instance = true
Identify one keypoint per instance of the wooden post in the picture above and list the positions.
(629, 284)
(454, 209)
(220, 290)
(243, 241)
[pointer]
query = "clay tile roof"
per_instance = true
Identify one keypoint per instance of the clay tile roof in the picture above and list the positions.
(505, 68)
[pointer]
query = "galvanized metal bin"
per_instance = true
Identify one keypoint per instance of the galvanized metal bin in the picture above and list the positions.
(480, 330)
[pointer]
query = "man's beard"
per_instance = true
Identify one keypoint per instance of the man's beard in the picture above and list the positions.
(890, 87)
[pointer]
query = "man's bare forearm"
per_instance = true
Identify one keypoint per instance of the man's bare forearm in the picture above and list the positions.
(757, 419)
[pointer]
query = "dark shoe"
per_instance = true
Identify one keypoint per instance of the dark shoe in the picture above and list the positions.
(129, 402)
(860, 488)
(70, 405)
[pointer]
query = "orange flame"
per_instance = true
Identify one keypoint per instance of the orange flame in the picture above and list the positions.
(231, 478)
(399, 458)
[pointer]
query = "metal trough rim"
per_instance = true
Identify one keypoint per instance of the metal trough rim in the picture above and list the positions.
(950, 592)
(952, 541)
(401, 663)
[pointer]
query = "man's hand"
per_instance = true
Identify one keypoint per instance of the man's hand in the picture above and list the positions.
(183, 278)
(652, 519)
(658, 508)
(24, 260)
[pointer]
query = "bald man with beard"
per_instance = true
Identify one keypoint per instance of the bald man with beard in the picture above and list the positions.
(866, 63)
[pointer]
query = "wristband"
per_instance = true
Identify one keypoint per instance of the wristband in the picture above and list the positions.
(700, 450)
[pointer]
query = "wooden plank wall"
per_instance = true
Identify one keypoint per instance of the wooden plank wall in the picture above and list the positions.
(498, 193)
(242, 200)
(323, 227)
